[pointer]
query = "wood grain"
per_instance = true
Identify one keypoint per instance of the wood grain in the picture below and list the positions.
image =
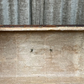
(24, 12)
(41, 12)
(37, 12)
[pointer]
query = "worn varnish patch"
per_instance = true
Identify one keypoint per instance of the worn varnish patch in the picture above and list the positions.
(41, 57)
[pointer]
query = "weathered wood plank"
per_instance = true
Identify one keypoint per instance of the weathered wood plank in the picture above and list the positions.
(1, 13)
(37, 12)
(61, 12)
(41, 12)
(13, 12)
(9, 12)
(80, 13)
(53, 12)
(24, 12)
(57, 13)
(48, 12)
(69, 12)
(5, 12)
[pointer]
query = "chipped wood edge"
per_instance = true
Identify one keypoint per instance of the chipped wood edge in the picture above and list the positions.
(41, 28)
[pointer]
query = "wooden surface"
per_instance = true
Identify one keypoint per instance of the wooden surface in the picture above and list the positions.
(24, 12)
(41, 57)
(41, 12)
(44, 28)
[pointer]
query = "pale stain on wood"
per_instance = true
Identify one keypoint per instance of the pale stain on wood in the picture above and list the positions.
(64, 64)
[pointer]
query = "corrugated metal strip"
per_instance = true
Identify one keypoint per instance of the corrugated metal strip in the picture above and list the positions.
(41, 12)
